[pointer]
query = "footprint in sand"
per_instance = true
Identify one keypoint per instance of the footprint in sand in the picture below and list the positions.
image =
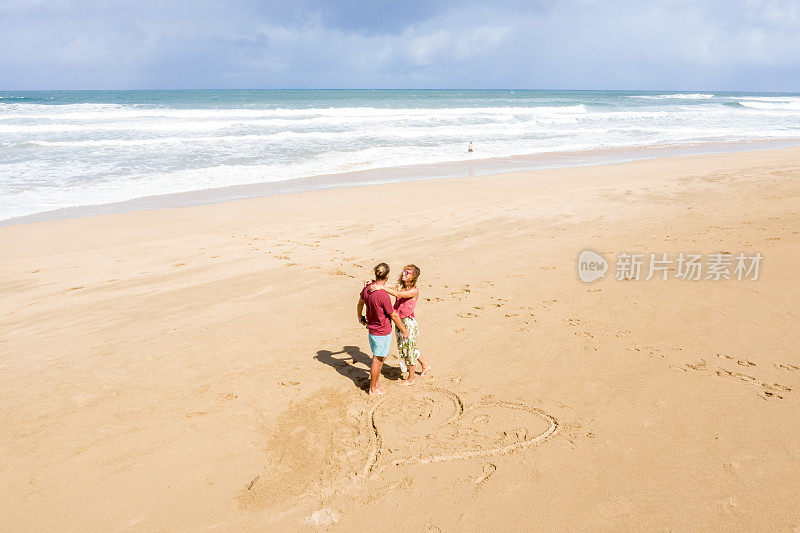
(499, 302)
(461, 292)
(226, 397)
(740, 362)
(488, 470)
(699, 365)
(727, 373)
(776, 386)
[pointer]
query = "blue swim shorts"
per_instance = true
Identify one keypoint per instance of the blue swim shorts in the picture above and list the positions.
(380, 344)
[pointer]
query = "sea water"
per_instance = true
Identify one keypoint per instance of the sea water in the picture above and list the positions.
(61, 149)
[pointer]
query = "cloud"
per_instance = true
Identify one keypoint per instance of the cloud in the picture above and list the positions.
(676, 44)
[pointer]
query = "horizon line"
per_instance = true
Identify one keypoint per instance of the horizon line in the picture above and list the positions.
(396, 89)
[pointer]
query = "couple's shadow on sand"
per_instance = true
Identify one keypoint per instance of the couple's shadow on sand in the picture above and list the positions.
(351, 362)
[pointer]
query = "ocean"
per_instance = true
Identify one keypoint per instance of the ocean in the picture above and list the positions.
(67, 149)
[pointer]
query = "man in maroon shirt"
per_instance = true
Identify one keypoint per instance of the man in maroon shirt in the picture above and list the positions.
(380, 315)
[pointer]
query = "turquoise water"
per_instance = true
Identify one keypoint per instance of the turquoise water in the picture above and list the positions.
(63, 149)
(392, 99)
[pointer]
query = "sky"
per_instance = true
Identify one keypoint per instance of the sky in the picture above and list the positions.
(747, 45)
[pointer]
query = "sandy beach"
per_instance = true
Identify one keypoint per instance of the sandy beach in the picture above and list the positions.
(202, 367)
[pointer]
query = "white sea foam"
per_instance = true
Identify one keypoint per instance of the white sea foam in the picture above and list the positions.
(110, 113)
(771, 104)
(54, 156)
(681, 96)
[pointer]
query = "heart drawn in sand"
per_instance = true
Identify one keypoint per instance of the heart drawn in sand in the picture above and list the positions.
(433, 425)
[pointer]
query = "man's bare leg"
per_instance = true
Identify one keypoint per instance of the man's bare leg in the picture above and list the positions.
(411, 374)
(374, 374)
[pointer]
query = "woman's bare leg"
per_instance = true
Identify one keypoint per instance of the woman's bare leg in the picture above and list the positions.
(425, 366)
(410, 379)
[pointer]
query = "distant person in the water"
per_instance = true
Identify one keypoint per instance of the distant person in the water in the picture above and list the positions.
(469, 148)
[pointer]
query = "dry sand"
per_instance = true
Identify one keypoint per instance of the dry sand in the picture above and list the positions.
(200, 368)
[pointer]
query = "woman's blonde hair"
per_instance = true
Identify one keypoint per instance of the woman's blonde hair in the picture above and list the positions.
(413, 281)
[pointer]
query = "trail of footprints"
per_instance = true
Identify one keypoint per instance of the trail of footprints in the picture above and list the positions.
(339, 264)
(524, 317)
(289, 252)
(768, 390)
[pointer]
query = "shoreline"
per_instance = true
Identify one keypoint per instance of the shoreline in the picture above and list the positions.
(399, 174)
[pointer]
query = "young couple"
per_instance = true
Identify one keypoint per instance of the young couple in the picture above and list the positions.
(380, 315)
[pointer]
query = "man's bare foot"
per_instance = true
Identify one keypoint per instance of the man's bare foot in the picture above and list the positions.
(377, 391)
(406, 382)
(425, 370)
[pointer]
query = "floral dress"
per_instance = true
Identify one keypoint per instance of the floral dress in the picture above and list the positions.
(409, 353)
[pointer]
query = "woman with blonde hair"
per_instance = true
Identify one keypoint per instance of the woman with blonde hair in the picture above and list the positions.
(407, 293)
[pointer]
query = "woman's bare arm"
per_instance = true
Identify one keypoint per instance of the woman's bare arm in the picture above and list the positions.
(408, 293)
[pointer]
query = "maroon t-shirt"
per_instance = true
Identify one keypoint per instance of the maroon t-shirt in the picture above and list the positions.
(379, 307)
